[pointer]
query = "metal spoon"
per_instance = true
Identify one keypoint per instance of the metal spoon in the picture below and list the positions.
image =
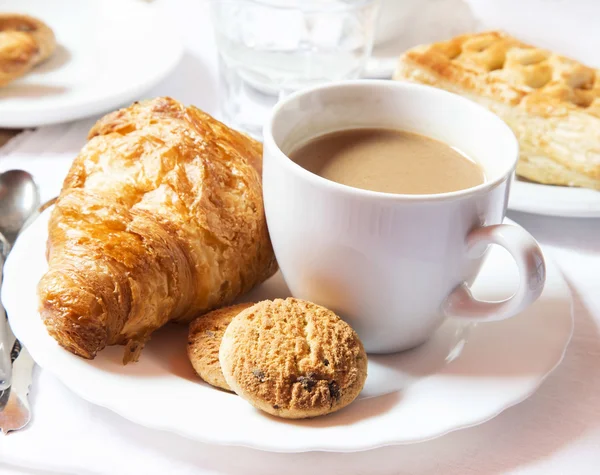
(19, 199)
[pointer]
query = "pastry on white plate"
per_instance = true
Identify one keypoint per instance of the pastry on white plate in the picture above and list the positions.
(24, 43)
(551, 102)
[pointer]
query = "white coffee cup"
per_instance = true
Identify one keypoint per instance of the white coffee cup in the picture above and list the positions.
(393, 266)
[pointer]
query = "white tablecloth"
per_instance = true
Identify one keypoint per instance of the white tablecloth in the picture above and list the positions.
(556, 431)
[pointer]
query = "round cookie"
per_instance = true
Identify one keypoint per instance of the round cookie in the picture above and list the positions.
(293, 359)
(204, 340)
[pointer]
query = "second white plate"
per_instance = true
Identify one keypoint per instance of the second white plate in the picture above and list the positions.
(109, 53)
(554, 200)
(465, 375)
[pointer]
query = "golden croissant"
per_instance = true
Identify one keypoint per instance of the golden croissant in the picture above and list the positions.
(160, 219)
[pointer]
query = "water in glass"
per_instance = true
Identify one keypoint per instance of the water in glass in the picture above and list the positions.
(269, 48)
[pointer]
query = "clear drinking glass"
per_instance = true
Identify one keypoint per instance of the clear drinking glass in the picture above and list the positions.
(269, 48)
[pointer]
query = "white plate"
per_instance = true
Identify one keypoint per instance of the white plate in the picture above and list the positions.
(109, 53)
(554, 200)
(465, 375)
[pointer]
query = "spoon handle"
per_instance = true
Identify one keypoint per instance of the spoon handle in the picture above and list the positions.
(5, 345)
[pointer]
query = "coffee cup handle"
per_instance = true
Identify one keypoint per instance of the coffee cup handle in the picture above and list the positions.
(532, 271)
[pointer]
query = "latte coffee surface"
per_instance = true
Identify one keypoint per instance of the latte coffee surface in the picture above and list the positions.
(389, 161)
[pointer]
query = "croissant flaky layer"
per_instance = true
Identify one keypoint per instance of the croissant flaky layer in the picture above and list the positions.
(160, 219)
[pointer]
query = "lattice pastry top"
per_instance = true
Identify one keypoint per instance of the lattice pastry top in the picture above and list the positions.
(497, 65)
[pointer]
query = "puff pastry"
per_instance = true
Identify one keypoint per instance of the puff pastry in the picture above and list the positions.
(552, 103)
(160, 219)
(24, 42)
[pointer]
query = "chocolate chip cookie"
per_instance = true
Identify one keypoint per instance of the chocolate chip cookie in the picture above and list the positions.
(204, 340)
(293, 358)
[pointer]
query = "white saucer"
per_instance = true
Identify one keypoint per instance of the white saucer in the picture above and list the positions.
(109, 53)
(554, 200)
(465, 375)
